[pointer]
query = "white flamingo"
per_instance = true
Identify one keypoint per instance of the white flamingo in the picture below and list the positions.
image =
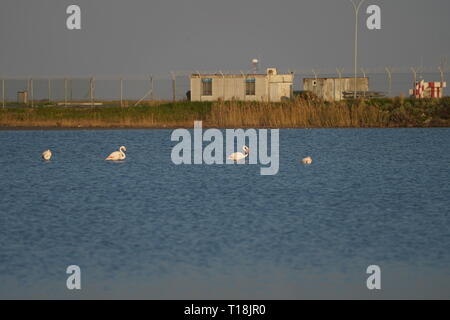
(47, 155)
(118, 155)
(307, 161)
(238, 156)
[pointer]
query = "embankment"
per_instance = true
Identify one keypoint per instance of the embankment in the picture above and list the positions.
(300, 113)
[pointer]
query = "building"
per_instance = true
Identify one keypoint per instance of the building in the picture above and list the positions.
(428, 89)
(22, 97)
(336, 89)
(270, 86)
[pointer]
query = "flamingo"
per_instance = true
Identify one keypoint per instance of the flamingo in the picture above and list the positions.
(237, 156)
(47, 155)
(118, 155)
(307, 161)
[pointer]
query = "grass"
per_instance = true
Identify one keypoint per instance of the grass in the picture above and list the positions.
(303, 112)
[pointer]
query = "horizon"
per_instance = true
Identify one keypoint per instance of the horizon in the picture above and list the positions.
(142, 38)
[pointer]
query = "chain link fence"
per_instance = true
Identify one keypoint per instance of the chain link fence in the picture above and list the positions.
(121, 91)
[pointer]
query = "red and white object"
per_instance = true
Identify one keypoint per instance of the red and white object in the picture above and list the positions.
(428, 89)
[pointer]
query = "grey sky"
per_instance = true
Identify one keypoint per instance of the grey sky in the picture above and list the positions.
(139, 37)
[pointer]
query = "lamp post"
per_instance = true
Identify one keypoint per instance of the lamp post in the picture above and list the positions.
(356, 6)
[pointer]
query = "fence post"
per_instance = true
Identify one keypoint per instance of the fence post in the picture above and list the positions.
(121, 92)
(3, 93)
(316, 76)
(414, 71)
(49, 90)
(364, 72)
(27, 102)
(389, 73)
(31, 92)
(92, 91)
(151, 88)
(174, 86)
(340, 72)
(65, 92)
(245, 88)
(441, 70)
(69, 83)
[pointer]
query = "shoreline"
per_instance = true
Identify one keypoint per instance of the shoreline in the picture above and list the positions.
(117, 128)
(301, 113)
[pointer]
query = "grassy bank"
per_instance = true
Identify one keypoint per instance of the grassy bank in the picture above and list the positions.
(304, 112)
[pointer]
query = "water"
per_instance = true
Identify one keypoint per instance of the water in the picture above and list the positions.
(145, 228)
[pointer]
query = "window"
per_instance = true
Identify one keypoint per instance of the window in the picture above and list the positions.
(250, 87)
(207, 87)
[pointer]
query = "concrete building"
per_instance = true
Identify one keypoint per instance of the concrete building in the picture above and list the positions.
(336, 89)
(270, 86)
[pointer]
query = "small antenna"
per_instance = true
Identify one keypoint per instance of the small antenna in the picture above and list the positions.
(255, 65)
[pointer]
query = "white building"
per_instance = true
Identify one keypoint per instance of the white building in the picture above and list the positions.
(270, 86)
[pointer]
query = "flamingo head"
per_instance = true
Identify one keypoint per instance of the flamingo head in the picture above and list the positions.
(246, 149)
(123, 149)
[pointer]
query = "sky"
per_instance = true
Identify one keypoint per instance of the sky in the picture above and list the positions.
(142, 37)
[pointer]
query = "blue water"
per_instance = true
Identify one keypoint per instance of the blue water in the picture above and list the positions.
(149, 229)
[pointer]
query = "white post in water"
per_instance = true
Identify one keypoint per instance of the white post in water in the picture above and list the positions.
(356, 7)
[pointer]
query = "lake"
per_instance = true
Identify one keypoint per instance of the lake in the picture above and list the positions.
(146, 228)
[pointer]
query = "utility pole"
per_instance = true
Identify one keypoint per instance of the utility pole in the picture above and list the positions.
(357, 7)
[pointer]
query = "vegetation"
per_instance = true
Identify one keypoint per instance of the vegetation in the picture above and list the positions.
(303, 112)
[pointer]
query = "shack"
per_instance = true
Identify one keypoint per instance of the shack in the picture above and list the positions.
(336, 89)
(269, 86)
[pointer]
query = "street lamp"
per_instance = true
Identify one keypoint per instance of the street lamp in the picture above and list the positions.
(356, 6)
